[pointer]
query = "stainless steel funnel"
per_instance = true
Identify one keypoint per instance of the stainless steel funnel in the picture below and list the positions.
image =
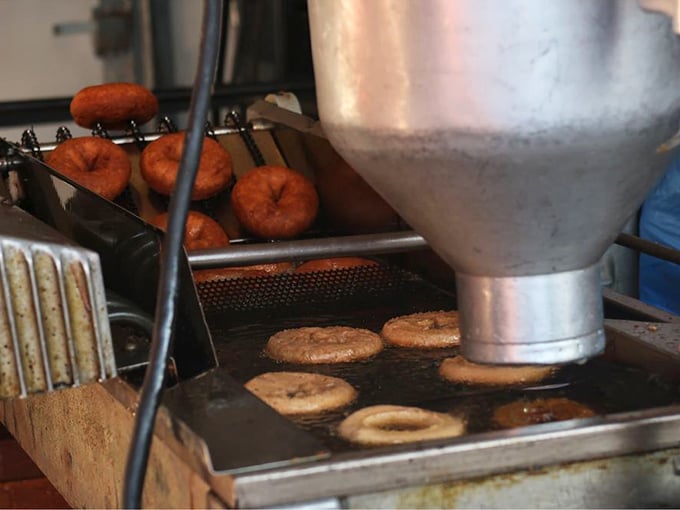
(516, 136)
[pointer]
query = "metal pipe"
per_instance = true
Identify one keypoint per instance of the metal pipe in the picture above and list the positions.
(648, 247)
(370, 244)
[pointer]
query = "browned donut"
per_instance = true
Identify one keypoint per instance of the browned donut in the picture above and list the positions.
(95, 163)
(460, 370)
(274, 202)
(230, 273)
(334, 263)
(292, 393)
(201, 231)
(113, 104)
(429, 330)
(540, 410)
(334, 344)
(160, 159)
(388, 424)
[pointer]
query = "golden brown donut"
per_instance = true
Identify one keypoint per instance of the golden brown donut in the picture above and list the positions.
(540, 410)
(427, 330)
(274, 202)
(160, 159)
(333, 263)
(231, 273)
(335, 344)
(458, 369)
(386, 424)
(201, 231)
(113, 104)
(97, 164)
(295, 393)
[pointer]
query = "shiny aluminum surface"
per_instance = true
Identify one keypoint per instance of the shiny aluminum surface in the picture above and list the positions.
(53, 316)
(517, 137)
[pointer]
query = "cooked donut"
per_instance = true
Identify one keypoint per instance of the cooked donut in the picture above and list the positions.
(201, 232)
(160, 160)
(230, 273)
(333, 263)
(458, 369)
(335, 344)
(113, 105)
(384, 424)
(274, 202)
(301, 392)
(540, 410)
(427, 330)
(97, 164)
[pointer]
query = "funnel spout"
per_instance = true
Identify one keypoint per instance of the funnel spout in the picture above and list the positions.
(517, 137)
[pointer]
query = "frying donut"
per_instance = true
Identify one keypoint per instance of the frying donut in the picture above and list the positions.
(113, 105)
(385, 424)
(335, 344)
(201, 233)
(274, 202)
(301, 392)
(427, 330)
(458, 369)
(333, 263)
(160, 160)
(540, 410)
(97, 164)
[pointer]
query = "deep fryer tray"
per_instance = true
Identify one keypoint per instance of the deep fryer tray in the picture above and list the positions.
(242, 314)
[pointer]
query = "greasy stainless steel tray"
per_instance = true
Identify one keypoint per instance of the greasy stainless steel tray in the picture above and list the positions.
(637, 408)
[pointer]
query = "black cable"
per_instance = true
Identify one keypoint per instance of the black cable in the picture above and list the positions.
(152, 388)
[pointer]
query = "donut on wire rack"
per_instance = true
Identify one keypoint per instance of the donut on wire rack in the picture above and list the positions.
(159, 164)
(113, 105)
(274, 202)
(97, 164)
(202, 233)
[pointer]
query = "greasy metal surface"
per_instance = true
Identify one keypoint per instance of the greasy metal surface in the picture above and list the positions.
(632, 481)
(285, 290)
(464, 458)
(128, 249)
(239, 430)
(405, 376)
(53, 317)
(410, 377)
(546, 146)
(304, 249)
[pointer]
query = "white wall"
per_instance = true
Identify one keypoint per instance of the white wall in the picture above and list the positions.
(36, 63)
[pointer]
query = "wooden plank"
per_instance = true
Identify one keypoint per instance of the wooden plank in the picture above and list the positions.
(79, 438)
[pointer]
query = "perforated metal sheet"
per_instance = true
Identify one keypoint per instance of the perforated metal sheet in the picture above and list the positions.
(285, 290)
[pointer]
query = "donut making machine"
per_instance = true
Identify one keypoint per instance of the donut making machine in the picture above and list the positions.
(518, 160)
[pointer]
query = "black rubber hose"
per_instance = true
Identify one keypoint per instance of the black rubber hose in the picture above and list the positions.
(152, 388)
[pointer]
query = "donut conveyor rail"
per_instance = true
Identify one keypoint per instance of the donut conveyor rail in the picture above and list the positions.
(361, 245)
